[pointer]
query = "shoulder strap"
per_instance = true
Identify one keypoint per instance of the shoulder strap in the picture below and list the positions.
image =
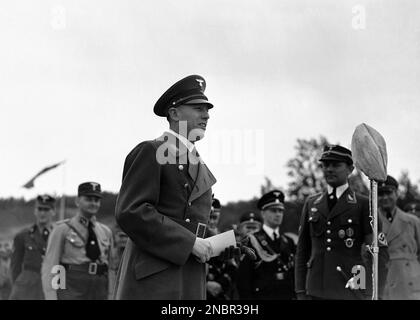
(68, 223)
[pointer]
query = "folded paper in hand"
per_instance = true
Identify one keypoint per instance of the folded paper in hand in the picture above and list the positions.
(221, 241)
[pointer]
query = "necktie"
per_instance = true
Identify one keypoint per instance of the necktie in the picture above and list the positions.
(45, 234)
(193, 164)
(389, 216)
(275, 236)
(92, 248)
(332, 199)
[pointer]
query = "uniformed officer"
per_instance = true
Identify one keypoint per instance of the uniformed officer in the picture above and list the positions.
(81, 245)
(221, 274)
(249, 222)
(413, 208)
(271, 277)
(164, 203)
(402, 231)
(28, 252)
(333, 228)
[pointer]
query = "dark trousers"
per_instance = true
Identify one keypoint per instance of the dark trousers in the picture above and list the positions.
(84, 286)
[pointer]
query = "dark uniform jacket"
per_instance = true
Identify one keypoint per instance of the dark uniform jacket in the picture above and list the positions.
(159, 207)
(29, 250)
(272, 276)
(328, 240)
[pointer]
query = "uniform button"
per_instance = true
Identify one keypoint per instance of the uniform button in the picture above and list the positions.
(410, 283)
(257, 289)
(349, 221)
(187, 220)
(180, 167)
(329, 223)
(186, 185)
(189, 204)
(328, 231)
(328, 248)
(407, 264)
(328, 240)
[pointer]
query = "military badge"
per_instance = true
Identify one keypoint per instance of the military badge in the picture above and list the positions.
(280, 275)
(264, 243)
(314, 209)
(349, 232)
(382, 240)
(341, 233)
(349, 242)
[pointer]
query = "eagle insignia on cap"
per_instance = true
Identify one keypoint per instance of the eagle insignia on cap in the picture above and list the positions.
(200, 82)
(45, 198)
(94, 185)
(276, 194)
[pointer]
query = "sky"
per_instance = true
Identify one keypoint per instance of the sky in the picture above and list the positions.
(79, 80)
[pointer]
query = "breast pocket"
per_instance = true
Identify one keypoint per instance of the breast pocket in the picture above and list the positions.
(316, 224)
(74, 244)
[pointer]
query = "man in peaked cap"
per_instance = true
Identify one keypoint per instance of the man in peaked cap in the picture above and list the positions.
(271, 276)
(334, 226)
(402, 231)
(250, 222)
(29, 248)
(82, 246)
(165, 201)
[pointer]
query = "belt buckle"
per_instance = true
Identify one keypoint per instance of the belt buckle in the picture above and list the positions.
(201, 230)
(93, 268)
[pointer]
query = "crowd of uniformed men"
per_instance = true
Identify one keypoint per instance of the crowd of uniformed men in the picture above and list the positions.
(165, 213)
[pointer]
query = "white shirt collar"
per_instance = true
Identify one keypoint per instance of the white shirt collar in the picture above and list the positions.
(339, 191)
(190, 146)
(270, 231)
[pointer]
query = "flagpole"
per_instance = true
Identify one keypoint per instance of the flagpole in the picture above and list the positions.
(63, 196)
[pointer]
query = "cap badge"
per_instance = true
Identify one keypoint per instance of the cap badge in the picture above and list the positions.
(341, 233)
(200, 82)
(276, 194)
(94, 185)
(350, 232)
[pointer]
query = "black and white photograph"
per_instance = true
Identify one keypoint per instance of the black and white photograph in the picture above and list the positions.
(216, 155)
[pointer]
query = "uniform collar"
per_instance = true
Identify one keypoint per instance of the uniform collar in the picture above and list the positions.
(270, 231)
(339, 190)
(190, 146)
(85, 221)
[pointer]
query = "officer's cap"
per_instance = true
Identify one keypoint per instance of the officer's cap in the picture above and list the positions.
(250, 217)
(390, 184)
(336, 153)
(90, 189)
(189, 90)
(272, 199)
(215, 203)
(45, 201)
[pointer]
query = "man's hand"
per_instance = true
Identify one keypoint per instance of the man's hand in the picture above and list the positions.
(214, 288)
(202, 250)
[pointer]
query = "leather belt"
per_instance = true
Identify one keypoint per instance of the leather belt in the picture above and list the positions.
(90, 268)
(198, 228)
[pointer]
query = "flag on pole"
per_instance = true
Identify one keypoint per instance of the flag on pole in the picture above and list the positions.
(30, 183)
